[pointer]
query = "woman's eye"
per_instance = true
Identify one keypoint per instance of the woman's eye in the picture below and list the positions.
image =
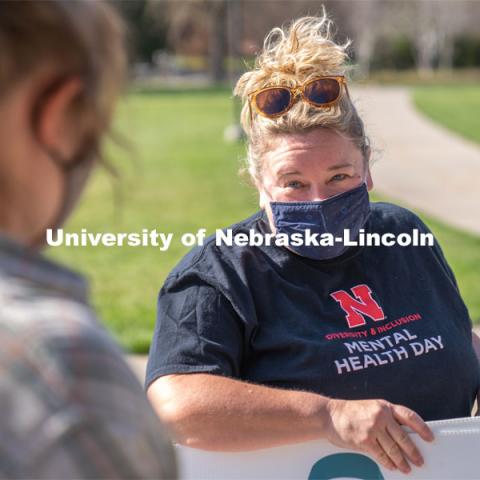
(339, 177)
(294, 184)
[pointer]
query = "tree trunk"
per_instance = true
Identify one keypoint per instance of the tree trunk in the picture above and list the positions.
(446, 53)
(217, 39)
(426, 39)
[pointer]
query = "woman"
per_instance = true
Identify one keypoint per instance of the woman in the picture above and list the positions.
(263, 345)
(71, 407)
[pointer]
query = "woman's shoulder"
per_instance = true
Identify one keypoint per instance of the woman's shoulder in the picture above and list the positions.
(205, 259)
(390, 217)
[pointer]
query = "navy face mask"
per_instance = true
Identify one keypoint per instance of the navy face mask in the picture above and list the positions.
(347, 211)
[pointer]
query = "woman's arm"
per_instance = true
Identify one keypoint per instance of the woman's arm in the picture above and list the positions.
(476, 347)
(219, 413)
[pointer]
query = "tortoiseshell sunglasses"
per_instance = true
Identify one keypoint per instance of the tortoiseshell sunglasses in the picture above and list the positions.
(320, 92)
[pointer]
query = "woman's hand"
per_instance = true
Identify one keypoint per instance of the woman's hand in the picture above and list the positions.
(374, 426)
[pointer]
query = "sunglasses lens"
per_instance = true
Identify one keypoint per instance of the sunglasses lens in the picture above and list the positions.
(273, 101)
(322, 91)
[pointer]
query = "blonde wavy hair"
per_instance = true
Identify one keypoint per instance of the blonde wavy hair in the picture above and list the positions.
(291, 56)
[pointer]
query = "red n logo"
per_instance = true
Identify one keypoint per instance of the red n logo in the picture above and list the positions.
(362, 304)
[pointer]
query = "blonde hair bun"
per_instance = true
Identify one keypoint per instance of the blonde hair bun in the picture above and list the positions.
(292, 55)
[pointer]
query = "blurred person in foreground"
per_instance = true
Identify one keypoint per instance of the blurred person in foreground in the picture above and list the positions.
(71, 407)
(264, 345)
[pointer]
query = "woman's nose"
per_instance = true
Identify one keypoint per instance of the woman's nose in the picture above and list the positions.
(317, 194)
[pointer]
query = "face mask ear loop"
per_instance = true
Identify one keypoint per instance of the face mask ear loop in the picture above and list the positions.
(86, 159)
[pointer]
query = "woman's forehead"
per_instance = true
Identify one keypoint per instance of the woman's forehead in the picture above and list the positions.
(327, 147)
(317, 138)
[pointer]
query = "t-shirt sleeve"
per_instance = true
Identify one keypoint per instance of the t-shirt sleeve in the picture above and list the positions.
(197, 330)
(468, 324)
(418, 223)
(438, 252)
(440, 257)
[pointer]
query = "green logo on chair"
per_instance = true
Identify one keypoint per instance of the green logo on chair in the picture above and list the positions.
(345, 465)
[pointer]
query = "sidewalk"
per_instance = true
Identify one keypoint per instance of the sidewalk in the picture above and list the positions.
(138, 364)
(420, 164)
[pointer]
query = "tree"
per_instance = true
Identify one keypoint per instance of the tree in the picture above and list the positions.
(217, 38)
(198, 27)
(147, 32)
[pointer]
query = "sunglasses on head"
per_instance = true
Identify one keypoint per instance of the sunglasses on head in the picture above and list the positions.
(273, 102)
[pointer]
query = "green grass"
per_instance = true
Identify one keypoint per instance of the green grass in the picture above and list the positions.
(456, 107)
(182, 176)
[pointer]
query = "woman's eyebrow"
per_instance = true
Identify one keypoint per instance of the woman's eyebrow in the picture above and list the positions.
(284, 173)
(340, 165)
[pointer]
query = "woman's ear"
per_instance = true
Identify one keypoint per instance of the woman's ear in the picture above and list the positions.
(55, 127)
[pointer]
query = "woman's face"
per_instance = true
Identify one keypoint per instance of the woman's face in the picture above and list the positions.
(311, 166)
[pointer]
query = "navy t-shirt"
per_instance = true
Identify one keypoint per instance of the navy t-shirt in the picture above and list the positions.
(376, 322)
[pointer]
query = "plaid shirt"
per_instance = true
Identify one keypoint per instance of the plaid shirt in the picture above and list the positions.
(70, 405)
